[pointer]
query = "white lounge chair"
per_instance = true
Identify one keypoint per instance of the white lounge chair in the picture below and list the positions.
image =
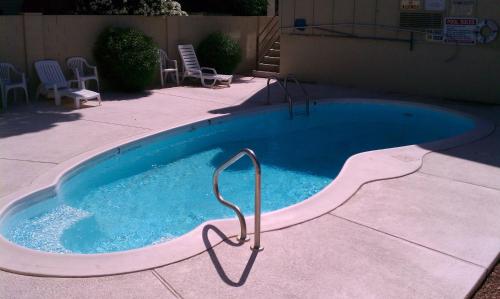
(167, 66)
(191, 68)
(82, 71)
(54, 84)
(7, 83)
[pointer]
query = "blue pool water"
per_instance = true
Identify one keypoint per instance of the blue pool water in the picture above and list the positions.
(161, 188)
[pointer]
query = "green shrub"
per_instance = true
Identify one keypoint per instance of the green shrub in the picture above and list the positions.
(126, 57)
(220, 52)
(250, 7)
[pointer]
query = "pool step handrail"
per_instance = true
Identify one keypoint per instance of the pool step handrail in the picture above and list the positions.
(243, 225)
(287, 94)
(292, 78)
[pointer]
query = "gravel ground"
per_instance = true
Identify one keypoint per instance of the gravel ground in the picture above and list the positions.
(491, 287)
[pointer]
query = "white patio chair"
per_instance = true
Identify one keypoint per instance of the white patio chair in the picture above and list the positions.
(191, 68)
(8, 76)
(54, 84)
(167, 66)
(82, 71)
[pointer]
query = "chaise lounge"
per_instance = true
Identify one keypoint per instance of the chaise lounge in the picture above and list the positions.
(191, 68)
(54, 84)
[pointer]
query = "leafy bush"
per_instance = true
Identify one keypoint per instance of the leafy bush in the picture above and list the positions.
(220, 52)
(126, 57)
(250, 7)
(130, 7)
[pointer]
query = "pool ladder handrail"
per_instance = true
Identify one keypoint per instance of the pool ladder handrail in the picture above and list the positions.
(243, 225)
(287, 95)
(304, 91)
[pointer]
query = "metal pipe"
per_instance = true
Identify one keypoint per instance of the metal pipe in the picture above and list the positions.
(287, 94)
(243, 235)
(294, 79)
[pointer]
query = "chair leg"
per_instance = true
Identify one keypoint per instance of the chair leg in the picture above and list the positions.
(4, 99)
(162, 80)
(77, 103)
(177, 77)
(26, 95)
(99, 99)
(211, 85)
(38, 92)
(57, 98)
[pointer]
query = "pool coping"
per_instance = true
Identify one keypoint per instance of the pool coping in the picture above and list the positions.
(358, 170)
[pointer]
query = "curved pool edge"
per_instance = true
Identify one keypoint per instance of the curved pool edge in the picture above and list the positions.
(358, 170)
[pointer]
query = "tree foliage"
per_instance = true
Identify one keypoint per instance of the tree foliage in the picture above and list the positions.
(130, 7)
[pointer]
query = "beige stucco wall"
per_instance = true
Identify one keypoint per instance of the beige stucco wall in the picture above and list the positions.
(458, 72)
(27, 38)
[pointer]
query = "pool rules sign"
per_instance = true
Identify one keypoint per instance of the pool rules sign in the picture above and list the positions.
(462, 31)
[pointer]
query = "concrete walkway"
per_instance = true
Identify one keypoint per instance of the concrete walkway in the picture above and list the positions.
(431, 234)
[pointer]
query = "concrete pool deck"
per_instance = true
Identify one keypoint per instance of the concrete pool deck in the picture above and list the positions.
(430, 234)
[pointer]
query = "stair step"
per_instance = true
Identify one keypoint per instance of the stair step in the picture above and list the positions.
(271, 59)
(276, 45)
(273, 52)
(269, 67)
(264, 74)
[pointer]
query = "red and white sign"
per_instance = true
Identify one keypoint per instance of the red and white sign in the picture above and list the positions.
(462, 31)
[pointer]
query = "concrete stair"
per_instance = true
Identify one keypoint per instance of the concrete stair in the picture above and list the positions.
(269, 64)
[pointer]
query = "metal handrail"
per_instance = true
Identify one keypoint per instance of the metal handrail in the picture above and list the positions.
(287, 94)
(294, 79)
(243, 235)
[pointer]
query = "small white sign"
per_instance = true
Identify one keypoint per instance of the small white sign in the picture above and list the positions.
(462, 31)
(434, 35)
(435, 5)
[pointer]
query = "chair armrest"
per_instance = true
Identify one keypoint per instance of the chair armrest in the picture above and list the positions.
(18, 73)
(209, 69)
(199, 72)
(174, 62)
(91, 67)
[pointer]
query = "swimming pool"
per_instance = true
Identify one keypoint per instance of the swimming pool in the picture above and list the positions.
(158, 189)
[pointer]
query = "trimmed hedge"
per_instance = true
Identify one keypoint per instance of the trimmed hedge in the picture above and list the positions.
(126, 57)
(221, 52)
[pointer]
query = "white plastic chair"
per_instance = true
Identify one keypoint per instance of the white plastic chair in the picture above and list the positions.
(54, 84)
(167, 66)
(82, 71)
(191, 68)
(7, 82)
